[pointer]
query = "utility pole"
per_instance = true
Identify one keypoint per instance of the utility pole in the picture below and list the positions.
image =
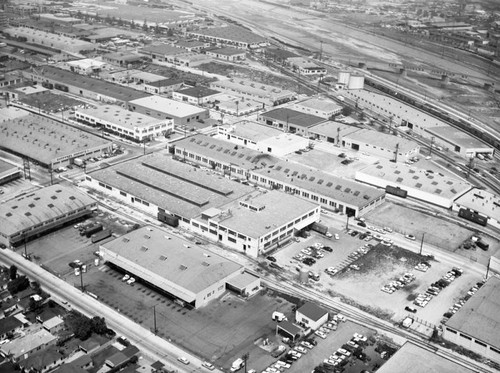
(245, 359)
(155, 330)
(396, 153)
(421, 244)
(51, 175)
(470, 165)
(347, 224)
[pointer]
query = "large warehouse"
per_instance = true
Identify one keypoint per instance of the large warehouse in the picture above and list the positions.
(121, 122)
(35, 213)
(183, 270)
(49, 142)
(290, 120)
(265, 170)
(475, 326)
(231, 36)
(161, 107)
(405, 181)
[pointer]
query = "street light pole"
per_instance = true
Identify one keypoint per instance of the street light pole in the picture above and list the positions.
(421, 244)
(155, 330)
(347, 224)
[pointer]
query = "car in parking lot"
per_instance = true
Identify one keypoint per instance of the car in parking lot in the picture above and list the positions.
(321, 334)
(410, 237)
(271, 258)
(327, 248)
(308, 261)
(336, 236)
(410, 309)
(361, 224)
(131, 280)
(126, 277)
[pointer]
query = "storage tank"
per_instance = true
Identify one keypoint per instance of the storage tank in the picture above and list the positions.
(303, 275)
(356, 82)
(344, 77)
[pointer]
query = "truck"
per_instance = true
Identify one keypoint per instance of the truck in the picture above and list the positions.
(78, 162)
(320, 228)
(99, 236)
(237, 365)
(93, 229)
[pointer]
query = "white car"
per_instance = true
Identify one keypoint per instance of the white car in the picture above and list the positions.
(301, 349)
(328, 234)
(183, 360)
(336, 235)
(126, 277)
(208, 365)
(131, 280)
(320, 334)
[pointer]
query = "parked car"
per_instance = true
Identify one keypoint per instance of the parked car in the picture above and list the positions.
(131, 280)
(208, 365)
(271, 258)
(183, 360)
(410, 237)
(410, 309)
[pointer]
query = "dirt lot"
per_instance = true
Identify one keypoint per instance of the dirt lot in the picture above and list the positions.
(378, 267)
(438, 232)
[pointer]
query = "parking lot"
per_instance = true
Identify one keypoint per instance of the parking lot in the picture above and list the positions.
(219, 332)
(358, 279)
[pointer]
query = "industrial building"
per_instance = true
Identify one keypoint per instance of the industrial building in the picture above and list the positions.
(8, 172)
(411, 358)
(123, 59)
(290, 120)
(331, 132)
(459, 142)
(121, 122)
(475, 325)
(32, 214)
(406, 181)
(161, 107)
(236, 106)
(381, 145)
(320, 107)
(258, 222)
(247, 89)
(82, 85)
(268, 171)
(166, 53)
(262, 138)
(348, 80)
(49, 142)
(226, 54)
(311, 316)
(231, 36)
(482, 203)
(183, 270)
(171, 190)
(50, 40)
(196, 95)
(306, 67)
(86, 66)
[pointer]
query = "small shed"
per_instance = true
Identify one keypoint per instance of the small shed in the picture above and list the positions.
(311, 315)
(289, 330)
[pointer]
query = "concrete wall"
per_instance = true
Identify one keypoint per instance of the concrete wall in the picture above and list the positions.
(471, 343)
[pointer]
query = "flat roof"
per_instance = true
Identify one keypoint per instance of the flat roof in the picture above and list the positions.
(172, 258)
(6, 166)
(163, 49)
(458, 137)
(480, 315)
(322, 104)
(312, 311)
(383, 140)
(198, 92)
(234, 33)
(225, 151)
(178, 187)
(317, 181)
(147, 77)
(45, 139)
(279, 209)
(248, 86)
(168, 106)
(291, 116)
(85, 63)
(33, 208)
(414, 359)
(484, 202)
(333, 129)
(242, 280)
(305, 63)
(416, 178)
(252, 131)
(124, 56)
(48, 37)
(228, 51)
(95, 85)
(118, 115)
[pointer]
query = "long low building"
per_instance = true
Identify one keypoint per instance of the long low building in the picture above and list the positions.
(289, 120)
(406, 181)
(232, 36)
(160, 107)
(475, 325)
(268, 171)
(184, 271)
(49, 142)
(35, 213)
(124, 123)
(8, 172)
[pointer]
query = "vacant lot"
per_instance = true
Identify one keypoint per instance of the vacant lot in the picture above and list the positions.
(223, 330)
(438, 232)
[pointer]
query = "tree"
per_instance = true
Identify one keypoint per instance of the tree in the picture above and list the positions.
(170, 32)
(12, 272)
(18, 284)
(346, 111)
(36, 286)
(99, 325)
(145, 26)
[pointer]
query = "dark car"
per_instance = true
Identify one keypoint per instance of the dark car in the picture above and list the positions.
(361, 224)
(327, 248)
(410, 309)
(363, 236)
(354, 233)
(271, 258)
(308, 261)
